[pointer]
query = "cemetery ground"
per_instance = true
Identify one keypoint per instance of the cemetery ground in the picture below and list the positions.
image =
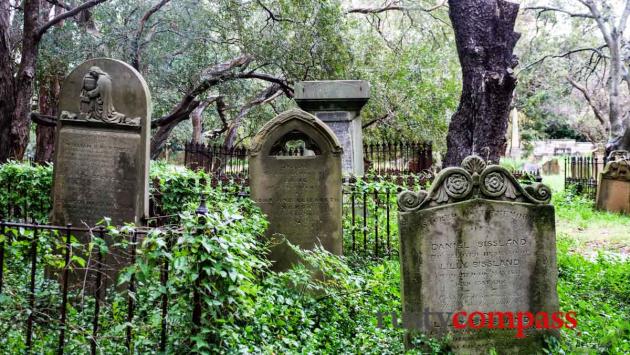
(249, 309)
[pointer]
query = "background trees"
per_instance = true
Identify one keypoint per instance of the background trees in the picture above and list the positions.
(224, 68)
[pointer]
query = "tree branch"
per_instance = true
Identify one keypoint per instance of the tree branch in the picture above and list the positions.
(44, 120)
(623, 21)
(587, 96)
(542, 9)
(283, 84)
(60, 4)
(135, 45)
(378, 119)
(267, 95)
(65, 15)
(566, 54)
(392, 6)
(221, 108)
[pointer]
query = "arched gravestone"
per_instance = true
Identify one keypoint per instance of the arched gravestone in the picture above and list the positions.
(477, 241)
(300, 194)
(101, 164)
(102, 149)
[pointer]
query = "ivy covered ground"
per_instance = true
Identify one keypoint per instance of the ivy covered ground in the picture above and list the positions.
(249, 309)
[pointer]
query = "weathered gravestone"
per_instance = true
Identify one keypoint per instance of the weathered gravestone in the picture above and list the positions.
(295, 178)
(101, 163)
(338, 104)
(551, 167)
(478, 242)
(613, 192)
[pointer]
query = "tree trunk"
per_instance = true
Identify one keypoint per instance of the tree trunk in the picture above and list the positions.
(485, 38)
(7, 89)
(49, 91)
(614, 80)
(197, 121)
(16, 113)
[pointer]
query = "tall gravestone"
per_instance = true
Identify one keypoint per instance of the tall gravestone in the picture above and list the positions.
(338, 103)
(613, 191)
(300, 192)
(478, 241)
(101, 164)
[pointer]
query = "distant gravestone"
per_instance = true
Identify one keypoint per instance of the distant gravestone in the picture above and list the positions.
(613, 192)
(295, 178)
(551, 167)
(101, 163)
(478, 241)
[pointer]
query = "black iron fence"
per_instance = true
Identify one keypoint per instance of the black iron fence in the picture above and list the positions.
(370, 213)
(582, 173)
(39, 264)
(398, 158)
(216, 159)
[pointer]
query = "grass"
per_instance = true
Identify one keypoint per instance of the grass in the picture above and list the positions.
(591, 230)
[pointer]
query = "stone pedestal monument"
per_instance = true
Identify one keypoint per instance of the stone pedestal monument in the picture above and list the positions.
(101, 163)
(613, 191)
(295, 178)
(338, 104)
(478, 247)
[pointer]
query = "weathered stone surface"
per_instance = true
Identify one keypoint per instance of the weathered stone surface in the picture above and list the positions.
(101, 163)
(338, 103)
(301, 195)
(613, 191)
(101, 168)
(478, 241)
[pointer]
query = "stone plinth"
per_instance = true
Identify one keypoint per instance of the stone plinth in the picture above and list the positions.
(101, 164)
(613, 190)
(338, 103)
(478, 242)
(300, 194)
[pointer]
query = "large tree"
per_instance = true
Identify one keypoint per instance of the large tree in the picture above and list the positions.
(18, 63)
(606, 59)
(485, 38)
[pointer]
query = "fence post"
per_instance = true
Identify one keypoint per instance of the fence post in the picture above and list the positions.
(64, 291)
(364, 221)
(31, 296)
(131, 292)
(97, 293)
(164, 306)
(3, 233)
(376, 222)
(388, 223)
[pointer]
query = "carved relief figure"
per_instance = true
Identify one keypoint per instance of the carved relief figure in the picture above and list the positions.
(97, 102)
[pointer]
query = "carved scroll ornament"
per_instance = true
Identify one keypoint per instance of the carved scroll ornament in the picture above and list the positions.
(474, 179)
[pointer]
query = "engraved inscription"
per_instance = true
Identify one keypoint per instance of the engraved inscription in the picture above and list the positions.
(96, 176)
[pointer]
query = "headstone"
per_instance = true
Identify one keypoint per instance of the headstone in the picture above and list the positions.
(101, 164)
(338, 103)
(478, 241)
(613, 192)
(551, 167)
(300, 193)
